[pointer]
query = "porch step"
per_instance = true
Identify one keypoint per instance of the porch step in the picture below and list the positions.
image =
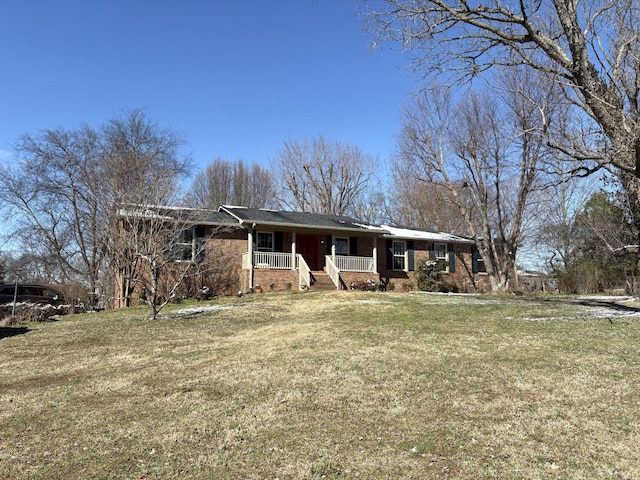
(322, 281)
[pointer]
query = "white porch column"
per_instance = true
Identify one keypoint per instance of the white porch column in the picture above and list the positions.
(333, 251)
(375, 255)
(250, 251)
(293, 250)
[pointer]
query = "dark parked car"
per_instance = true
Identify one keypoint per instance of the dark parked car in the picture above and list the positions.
(30, 293)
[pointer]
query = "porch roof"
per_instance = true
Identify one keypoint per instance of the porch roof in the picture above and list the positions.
(306, 220)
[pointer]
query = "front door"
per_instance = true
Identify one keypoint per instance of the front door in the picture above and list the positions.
(308, 246)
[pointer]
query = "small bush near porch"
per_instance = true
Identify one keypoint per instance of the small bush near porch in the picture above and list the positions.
(327, 385)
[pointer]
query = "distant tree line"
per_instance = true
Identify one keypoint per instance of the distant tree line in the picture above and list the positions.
(480, 167)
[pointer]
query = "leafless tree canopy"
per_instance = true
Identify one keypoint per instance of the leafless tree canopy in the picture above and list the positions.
(481, 158)
(317, 175)
(64, 193)
(232, 183)
(554, 242)
(50, 199)
(141, 161)
(590, 48)
(159, 248)
(422, 204)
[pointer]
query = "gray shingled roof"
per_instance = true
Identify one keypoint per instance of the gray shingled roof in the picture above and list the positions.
(249, 216)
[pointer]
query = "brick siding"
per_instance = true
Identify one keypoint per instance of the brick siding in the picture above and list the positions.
(222, 272)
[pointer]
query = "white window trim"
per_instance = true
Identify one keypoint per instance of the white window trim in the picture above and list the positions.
(191, 245)
(446, 254)
(405, 256)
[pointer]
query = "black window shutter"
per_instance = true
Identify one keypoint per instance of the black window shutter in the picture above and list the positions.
(452, 259)
(353, 245)
(329, 244)
(410, 255)
(389, 255)
(277, 242)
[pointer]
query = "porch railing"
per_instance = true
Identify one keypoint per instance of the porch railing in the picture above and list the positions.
(304, 273)
(283, 261)
(354, 264)
(333, 271)
(272, 260)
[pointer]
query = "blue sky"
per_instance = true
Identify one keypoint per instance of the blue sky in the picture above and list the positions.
(236, 77)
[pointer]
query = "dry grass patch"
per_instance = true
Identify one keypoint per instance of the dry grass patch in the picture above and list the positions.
(333, 385)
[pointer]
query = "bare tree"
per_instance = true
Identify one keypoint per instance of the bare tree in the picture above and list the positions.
(484, 157)
(591, 48)
(426, 205)
(63, 195)
(560, 203)
(317, 175)
(232, 183)
(5, 259)
(372, 207)
(140, 165)
(51, 201)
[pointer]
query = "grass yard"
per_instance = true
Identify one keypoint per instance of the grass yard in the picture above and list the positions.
(326, 385)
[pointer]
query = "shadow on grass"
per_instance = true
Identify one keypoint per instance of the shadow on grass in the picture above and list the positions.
(606, 305)
(6, 332)
(616, 308)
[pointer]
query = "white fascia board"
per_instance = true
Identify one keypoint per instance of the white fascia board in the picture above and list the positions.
(142, 213)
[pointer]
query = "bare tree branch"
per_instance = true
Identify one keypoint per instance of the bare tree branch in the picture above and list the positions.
(322, 176)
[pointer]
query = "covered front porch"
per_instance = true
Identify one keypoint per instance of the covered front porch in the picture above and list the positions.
(305, 260)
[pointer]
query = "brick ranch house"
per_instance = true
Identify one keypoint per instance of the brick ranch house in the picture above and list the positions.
(243, 248)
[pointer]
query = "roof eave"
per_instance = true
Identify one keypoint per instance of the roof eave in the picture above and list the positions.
(313, 227)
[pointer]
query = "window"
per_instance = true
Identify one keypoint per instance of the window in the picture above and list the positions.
(399, 255)
(180, 245)
(264, 242)
(186, 245)
(342, 246)
(480, 266)
(441, 251)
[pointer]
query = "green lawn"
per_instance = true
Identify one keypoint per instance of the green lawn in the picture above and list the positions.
(326, 385)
